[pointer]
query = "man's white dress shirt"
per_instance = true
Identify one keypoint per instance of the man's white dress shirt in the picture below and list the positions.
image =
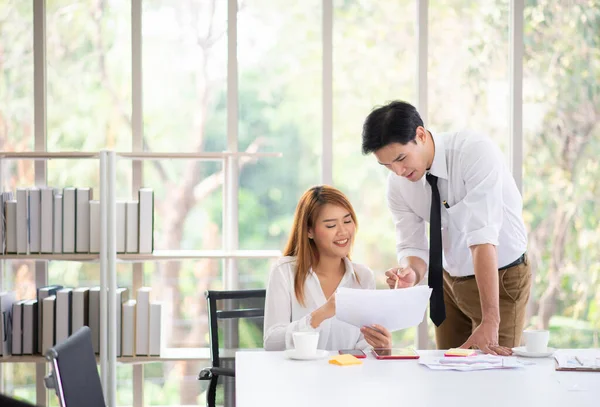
(284, 315)
(484, 204)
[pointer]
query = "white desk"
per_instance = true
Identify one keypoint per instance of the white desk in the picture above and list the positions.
(269, 379)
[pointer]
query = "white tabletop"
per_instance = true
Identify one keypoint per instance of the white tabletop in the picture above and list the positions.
(270, 379)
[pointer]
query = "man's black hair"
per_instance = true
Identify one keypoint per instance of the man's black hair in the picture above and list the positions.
(395, 122)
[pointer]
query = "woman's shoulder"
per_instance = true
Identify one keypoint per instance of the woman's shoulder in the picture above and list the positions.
(284, 265)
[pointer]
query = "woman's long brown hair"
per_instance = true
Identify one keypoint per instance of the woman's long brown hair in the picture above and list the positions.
(299, 245)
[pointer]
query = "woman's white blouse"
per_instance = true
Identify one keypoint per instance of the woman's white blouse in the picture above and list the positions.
(284, 315)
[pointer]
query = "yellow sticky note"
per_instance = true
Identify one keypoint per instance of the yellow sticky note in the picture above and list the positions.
(460, 352)
(344, 360)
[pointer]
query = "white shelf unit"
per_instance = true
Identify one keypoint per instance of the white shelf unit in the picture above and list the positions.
(41, 259)
(229, 253)
(108, 257)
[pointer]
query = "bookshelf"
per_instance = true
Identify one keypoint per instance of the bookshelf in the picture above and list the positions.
(108, 258)
(168, 355)
(80, 257)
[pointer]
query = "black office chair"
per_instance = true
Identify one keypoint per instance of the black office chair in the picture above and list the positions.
(235, 305)
(74, 374)
(6, 401)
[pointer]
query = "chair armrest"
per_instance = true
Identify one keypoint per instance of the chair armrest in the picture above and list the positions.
(208, 372)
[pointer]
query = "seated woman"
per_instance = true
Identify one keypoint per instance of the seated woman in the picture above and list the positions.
(302, 285)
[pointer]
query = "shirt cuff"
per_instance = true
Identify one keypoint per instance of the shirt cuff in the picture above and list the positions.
(485, 235)
(305, 326)
(301, 325)
(422, 254)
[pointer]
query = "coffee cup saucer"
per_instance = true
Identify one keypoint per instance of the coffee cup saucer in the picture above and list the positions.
(522, 351)
(295, 355)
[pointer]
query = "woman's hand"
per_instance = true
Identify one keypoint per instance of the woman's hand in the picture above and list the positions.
(330, 307)
(324, 312)
(377, 336)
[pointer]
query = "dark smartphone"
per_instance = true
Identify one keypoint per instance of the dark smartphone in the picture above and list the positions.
(354, 352)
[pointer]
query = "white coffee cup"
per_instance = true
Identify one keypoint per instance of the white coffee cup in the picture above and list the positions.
(306, 342)
(536, 340)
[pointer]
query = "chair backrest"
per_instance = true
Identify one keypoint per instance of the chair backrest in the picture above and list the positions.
(236, 306)
(6, 401)
(74, 371)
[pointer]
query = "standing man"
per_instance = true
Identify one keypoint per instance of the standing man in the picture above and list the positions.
(460, 184)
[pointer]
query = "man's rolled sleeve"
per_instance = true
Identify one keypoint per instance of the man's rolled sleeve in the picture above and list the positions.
(485, 235)
(422, 254)
(482, 164)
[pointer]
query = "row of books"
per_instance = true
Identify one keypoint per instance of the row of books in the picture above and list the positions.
(33, 326)
(49, 220)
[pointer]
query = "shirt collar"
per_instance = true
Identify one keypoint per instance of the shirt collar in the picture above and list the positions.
(438, 166)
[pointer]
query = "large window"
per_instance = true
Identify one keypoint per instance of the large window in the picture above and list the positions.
(279, 61)
(561, 172)
(88, 83)
(16, 75)
(184, 92)
(468, 67)
(17, 134)
(374, 49)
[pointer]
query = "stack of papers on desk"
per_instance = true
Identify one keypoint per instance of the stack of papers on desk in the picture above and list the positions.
(469, 363)
(584, 360)
(393, 309)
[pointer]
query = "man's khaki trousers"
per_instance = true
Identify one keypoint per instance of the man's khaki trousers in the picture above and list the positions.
(463, 308)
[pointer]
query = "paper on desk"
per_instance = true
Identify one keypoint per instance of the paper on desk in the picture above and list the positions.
(578, 359)
(393, 309)
(470, 363)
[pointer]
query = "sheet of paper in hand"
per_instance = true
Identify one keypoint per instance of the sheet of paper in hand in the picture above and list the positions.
(393, 309)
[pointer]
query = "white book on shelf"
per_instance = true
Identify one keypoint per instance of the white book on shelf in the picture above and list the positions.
(17, 332)
(4, 198)
(121, 225)
(142, 321)
(7, 299)
(146, 220)
(11, 226)
(48, 309)
(80, 308)
(57, 222)
(68, 220)
(82, 221)
(22, 221)
(47, 220)
(122, 296)
(42, 293)
(94, 226)
(30, 323)
(131, 245)
(155, 340)
(94, 317)
(35, 212)
(64, 310)
(128, 329)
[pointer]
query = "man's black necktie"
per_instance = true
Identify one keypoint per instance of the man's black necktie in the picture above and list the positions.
(437, 310)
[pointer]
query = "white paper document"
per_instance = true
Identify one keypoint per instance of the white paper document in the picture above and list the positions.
(469, 363)
(393, 309)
